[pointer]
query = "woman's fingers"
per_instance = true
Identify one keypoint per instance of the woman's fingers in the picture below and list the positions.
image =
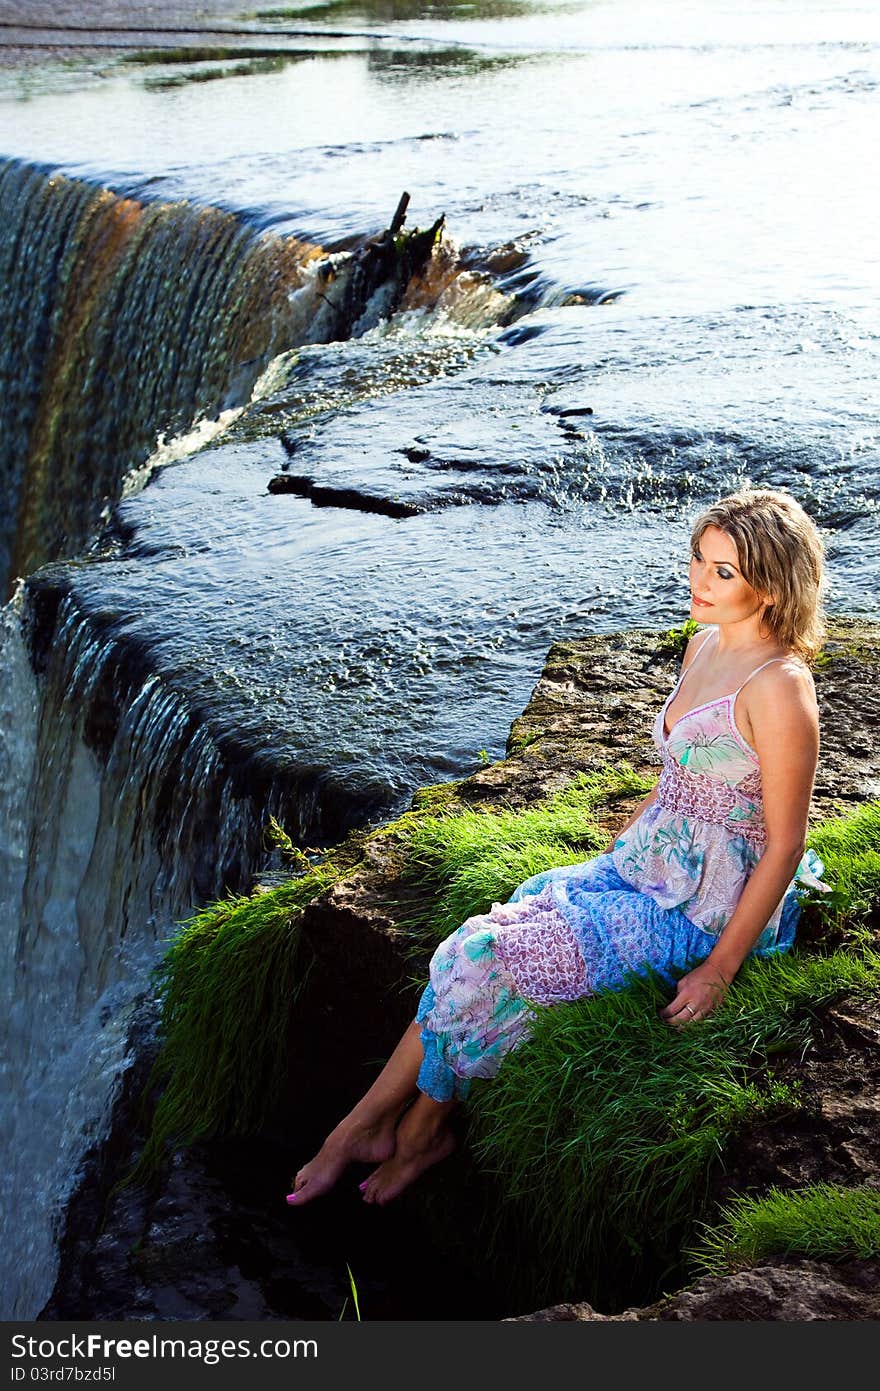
(681, 1011)
(686, 1015)
(678, 1012)
(697, 995)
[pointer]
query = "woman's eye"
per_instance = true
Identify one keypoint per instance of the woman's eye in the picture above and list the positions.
(725, 575)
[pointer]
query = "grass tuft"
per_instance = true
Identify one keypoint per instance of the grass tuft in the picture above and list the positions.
(525, 741)
(673, 642)
(227, 986)
(822, 1222)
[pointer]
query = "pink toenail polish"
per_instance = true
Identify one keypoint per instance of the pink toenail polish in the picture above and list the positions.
(291, 1197)
(363, 1185)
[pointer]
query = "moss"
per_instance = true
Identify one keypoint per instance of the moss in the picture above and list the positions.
(822, 1222)
(861, 653)
(519, 742)
(251, 68)
(391, 10)
(147, 57)
(673, 642)
(436, 797)
(851, 638)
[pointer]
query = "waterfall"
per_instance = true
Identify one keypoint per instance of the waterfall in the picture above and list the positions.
(123, 320)
(120, 815)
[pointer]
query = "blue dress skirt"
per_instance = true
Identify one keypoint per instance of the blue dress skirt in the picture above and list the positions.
(486, 978)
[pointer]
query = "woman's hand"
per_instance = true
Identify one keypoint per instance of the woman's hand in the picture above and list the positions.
(696, 995)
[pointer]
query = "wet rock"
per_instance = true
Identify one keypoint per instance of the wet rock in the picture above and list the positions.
(794, 1291)
(778, 1290)
(573, 1313)
(504, 259)
(472, 450)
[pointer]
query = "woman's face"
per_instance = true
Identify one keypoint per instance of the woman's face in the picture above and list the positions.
(719, 593)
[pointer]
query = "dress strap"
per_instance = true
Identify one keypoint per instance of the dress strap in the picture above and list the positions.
(694, 659)
(704, 643)
(661, 714)
(683, 673)
(755, 672)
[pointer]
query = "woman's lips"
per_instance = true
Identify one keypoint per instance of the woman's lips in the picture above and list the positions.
(701, 603)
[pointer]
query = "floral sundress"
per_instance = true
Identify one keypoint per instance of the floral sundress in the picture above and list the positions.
(657, 902)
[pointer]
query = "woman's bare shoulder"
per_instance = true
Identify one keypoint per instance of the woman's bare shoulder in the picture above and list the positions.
(781, 722)
(787, 684)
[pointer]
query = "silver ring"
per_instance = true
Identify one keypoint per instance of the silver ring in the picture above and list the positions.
(691, 1008)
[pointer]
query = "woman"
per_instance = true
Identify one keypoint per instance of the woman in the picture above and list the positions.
(702, 875)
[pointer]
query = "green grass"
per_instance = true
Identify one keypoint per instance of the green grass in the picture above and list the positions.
(354, 1293)
(232, 974)
(228, 983)
(822, 1222)
(849, 847)
(604, 1128)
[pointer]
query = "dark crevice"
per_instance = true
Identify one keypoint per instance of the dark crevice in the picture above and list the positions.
(321, 496)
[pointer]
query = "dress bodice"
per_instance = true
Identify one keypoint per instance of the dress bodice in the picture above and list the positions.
(697, 843)
(709, 771)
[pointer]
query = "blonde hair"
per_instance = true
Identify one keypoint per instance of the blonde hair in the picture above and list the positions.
(781, 556)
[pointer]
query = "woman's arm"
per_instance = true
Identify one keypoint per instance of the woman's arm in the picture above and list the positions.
(785, 730)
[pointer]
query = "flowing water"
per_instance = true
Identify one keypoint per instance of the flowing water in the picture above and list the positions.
(659, 279)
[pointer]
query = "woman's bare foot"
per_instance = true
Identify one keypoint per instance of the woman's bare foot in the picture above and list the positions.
(417, 1149)
(345, 1145)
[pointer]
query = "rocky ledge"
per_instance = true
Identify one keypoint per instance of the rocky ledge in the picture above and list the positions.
(180, 1252)
(796, 1291)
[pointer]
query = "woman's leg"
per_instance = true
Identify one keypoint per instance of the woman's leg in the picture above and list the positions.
(423, 1138)
(481, 1015)
(367, 1132)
